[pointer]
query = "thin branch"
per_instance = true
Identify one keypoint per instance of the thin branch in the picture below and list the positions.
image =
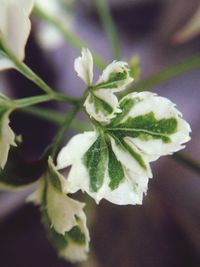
(61, 132)
(165, 75)
(188, 161)
(56, 118)
(109, 27)
(70, 37)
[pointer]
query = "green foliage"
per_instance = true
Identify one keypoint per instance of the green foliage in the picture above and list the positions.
(115, 170)
(145, 127)
(95, 159)
(100, 105)
(113, 80)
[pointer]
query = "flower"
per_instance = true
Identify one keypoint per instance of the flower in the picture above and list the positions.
(101, 103)
(61, 12)
(113, 163)
(7, 137)
(14, 28)
(63, 217)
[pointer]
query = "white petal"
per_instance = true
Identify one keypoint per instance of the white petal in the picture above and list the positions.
(15, 24)
(163, 108)
(7, 139)
(84, 66)
(75, 149)
(116, 67)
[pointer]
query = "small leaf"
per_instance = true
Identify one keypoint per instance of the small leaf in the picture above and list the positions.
(100, 105)
(63, 217)
(6, 135)
(84, 66)
(116, 77)
(101, 102)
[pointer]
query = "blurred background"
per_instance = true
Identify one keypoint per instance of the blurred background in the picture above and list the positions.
(165, 230)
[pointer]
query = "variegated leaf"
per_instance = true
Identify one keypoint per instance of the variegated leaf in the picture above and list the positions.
(113, 174)
(114, 164)
(63, 217)
(101, 103)
(151, 123)
(115, 77)
(7, 136)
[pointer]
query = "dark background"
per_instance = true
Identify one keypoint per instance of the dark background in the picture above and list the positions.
(165, 231)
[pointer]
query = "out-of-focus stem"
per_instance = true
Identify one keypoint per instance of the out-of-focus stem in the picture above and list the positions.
(164, 75)
(70, 37)
(188, 161)
(109, 27)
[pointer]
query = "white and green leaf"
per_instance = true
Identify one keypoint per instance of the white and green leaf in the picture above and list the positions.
(7, 136)
(104, 173)
(115, 77)
(101, 103)
(63, 217)
(115, 164)
(151, 123)
(102, 106)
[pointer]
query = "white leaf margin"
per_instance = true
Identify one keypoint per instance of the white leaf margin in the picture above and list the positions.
(130, 191)
(162, 108)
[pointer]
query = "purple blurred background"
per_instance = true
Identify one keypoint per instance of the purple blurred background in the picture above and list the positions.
(165, 231)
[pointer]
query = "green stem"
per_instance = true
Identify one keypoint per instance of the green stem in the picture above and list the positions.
(61, 132)
(45, 114)
(109, 27)
(56, 117)
(189, 162)
(29, 101)
(69, 36)
(65, 126)
(28, 73)
(164, 75)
